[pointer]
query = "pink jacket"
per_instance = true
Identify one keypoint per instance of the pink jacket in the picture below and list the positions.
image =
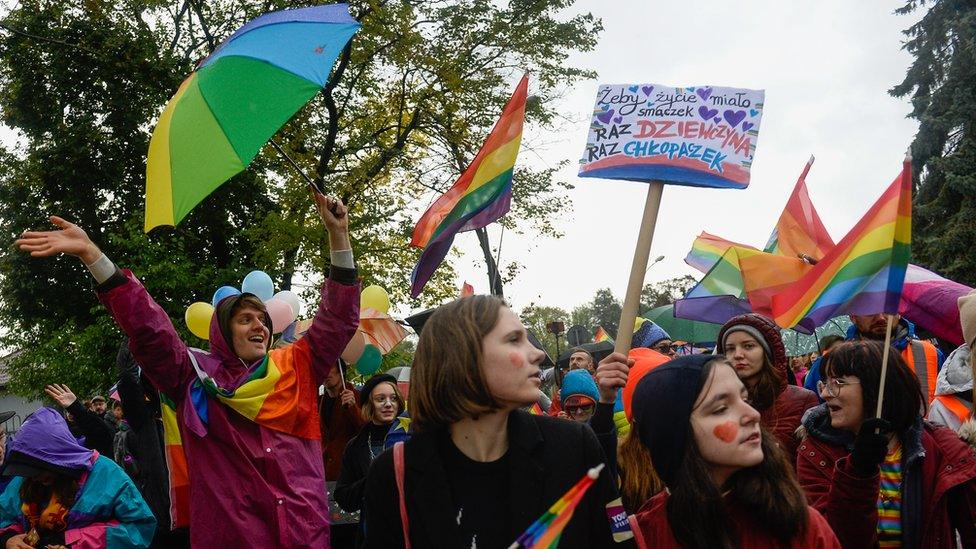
(250, 486)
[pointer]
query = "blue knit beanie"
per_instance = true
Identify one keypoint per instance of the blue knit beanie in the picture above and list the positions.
(579, 382)
(648, 334)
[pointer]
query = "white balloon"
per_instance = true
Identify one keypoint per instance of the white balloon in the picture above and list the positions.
(292, 299)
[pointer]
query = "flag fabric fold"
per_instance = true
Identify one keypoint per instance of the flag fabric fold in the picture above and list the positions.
(799, 230)
(480, 196)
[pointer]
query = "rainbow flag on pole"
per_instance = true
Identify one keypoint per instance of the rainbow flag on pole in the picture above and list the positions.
(480, 196)
(544, 533)
(799, 230)
(601, 335)
(864, 273)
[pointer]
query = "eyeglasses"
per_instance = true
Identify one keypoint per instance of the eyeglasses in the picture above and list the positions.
(834, 386)
(379, 401)
(583, 410)
(666, 349)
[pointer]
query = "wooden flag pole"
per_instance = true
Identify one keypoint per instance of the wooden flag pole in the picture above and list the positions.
(884, 365)
(628, 314)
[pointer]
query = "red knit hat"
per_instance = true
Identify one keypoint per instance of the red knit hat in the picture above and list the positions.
(645, 360)
(753, 323)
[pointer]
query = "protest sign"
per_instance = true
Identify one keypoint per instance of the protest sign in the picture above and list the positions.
(702, 136)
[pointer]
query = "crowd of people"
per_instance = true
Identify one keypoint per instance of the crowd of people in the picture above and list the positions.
(273, 446)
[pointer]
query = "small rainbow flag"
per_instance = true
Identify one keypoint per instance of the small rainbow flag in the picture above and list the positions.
(536, 410)
(799, 230)
(601, 335)
(480, 196)
(864, 273)
(544, 533)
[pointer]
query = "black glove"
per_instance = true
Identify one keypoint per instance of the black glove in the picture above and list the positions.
(870, 446)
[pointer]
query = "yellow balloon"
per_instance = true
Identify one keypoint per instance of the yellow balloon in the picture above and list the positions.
(198, 317)
(374, 297)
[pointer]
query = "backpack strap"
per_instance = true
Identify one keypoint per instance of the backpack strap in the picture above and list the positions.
(398, 469)
(638, 535)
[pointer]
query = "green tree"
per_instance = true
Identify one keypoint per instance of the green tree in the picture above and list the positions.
(942, 85)
(603, 310)
(665, 292)
(537, 317)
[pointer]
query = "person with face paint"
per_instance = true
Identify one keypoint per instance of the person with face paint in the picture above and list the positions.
(893, 481)
(380, 403)
(253, 454)
(478, 470)
(753, 345)
(728, 484)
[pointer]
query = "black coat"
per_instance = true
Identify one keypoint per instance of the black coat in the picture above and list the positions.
(547, 455)
(351, 485)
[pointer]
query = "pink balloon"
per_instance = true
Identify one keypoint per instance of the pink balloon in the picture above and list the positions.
(281, 314)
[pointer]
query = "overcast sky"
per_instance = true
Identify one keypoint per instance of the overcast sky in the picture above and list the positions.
(826, 67)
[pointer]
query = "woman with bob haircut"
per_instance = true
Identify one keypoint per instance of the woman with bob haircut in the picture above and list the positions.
(728, 483)
(380, 403)
(478, 470)
(753, 345)
(893, 481)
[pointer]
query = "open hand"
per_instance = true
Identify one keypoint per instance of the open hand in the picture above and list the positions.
(17, 542)
(67, 239)
(61, 394)
(611, 374)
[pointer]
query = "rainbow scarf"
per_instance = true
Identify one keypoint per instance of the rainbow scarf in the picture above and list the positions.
(480, 196)
(179, 475)
(864, 272)
(544, 533)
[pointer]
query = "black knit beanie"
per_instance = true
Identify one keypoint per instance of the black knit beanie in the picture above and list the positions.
(662, 404)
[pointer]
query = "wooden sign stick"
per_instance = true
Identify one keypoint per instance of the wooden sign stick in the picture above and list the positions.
(628, 314)
(884, 365)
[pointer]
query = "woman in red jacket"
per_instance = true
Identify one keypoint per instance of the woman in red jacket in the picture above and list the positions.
(753, 345)
(728, 484)
(893, 481)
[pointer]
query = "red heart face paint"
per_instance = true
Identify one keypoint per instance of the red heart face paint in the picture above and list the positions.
(726, 432)
(516, 359)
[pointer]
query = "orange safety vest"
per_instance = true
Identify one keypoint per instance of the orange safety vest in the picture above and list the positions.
(925, 353)
(955, 405)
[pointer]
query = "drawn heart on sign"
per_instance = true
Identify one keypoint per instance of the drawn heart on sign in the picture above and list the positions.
(704, 93)
(647, 90)
(605, 117)
(734, 117)
(691, 89)
(633, 89)
(618, 120)
(746, 126)
(716, 119)
(753, 112)
(706, 113)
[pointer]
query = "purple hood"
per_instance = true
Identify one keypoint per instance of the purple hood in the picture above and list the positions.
(45, 436)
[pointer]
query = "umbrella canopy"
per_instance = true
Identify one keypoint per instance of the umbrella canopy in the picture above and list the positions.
(683, 329)
(599, 350)
(236, 100)
(798, 343)
(380, 330)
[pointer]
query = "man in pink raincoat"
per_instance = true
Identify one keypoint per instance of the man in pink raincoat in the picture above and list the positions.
(255, 481)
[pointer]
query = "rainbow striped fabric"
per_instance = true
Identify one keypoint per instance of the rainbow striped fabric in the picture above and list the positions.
(889, 500)
(544, 533)
(799, 230)
(864, 272)
(179, 475)
(480, 196)
(601, 335)
(707, 250)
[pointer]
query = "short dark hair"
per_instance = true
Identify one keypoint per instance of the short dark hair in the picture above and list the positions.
(903, 400)
(829, 340)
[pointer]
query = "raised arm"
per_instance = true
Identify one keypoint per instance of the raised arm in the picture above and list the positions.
(154, 341)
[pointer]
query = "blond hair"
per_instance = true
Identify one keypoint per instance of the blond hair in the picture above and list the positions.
(368, 408)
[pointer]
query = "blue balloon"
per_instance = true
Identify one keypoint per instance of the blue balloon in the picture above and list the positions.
(222, 292)
(259, 284)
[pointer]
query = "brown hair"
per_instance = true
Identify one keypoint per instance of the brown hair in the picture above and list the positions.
(638, 480)
(447, 380)
(903, 400)
(769, 384)
(367, 409)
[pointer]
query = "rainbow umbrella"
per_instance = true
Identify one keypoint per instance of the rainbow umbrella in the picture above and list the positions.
(235, 101)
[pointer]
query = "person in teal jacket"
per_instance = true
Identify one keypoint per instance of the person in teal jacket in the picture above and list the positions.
(65, 495)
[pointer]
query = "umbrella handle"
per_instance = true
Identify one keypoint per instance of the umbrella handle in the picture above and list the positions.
(312, 184)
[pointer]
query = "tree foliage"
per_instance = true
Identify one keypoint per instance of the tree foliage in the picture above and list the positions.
(406, 107)
(941, 83)
(537, 317)
(665, 292)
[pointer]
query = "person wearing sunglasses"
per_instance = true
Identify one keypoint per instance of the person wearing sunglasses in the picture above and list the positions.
(888, 481)
(653, 337)
(580, 395)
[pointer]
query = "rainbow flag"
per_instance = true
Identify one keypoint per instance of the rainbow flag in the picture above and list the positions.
(536, 410)
(864, 272)
(544, 533)
(707, 250)
(601, 335)
(931, 302)
(179, 475)
(480, 196)
(799, 230)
